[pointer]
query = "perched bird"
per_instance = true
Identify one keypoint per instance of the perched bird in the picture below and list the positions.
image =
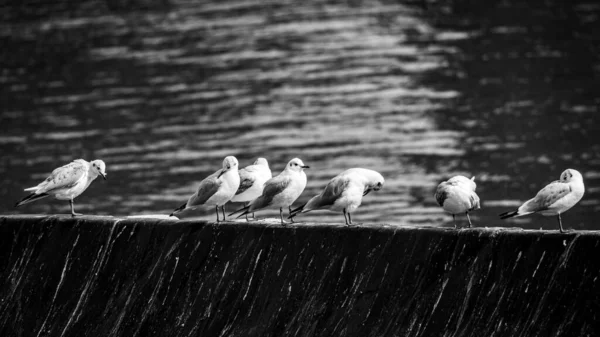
(344, 193)
(457, 195)
(67, 182)
(216, 189)
(280, 191)
(252, 180)
(556, 198)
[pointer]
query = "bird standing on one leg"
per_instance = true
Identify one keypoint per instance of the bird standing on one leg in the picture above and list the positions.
(216, 189)
(344, 193)
(280, 191)
(555, 198)
(457, 195)
(67, 182)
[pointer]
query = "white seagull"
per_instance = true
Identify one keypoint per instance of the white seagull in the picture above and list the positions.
(280, 191)
(67, 182)
(216, 189)
(344, 193)
(556, 198)
(457, 195)
(252, 181)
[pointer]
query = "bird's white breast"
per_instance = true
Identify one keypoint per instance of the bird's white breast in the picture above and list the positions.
(292, 192)
(69, 193)
(230, 181)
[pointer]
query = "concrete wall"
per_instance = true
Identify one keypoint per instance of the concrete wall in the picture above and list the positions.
(102, 276)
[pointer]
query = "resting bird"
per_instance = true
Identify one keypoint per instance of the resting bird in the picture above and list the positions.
(67, 182)
(457, 195)
(252, 181)
(556, 198)
(216, 189)
(280, 191)
(344, 193)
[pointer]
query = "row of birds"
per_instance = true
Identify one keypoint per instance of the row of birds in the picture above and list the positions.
(255, 186)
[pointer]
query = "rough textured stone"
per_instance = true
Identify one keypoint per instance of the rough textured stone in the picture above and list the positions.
(103, 276)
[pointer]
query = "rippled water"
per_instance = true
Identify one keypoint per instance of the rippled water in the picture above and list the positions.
(507, 92)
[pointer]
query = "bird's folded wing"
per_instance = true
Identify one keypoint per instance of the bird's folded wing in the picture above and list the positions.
(63, 177)
(441, 193)
(246, 181)
(207, 188)
(333, 191)
(273, 187)
(548, 196)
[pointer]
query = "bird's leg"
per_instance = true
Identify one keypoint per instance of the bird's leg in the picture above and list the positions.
(467, 213)
(560, 224)
(290, 213)
(349, 219)
(281, 215)
(454, 218)
(223, 209)
(345, 218)
(217, 213)
(73, 214)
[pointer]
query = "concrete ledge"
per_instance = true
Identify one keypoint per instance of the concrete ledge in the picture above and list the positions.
(103, 276)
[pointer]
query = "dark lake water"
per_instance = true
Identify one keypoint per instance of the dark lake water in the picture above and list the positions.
(507, 91)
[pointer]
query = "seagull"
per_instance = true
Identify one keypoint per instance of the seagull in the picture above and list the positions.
(457, 195)
(556, 198)
(252, 180)
(216, 189)
(344, 193)
(280, 191)
(67, 182)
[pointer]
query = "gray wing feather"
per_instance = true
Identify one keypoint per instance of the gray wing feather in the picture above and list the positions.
(246, 181)
(332, 191)
(273, 187)
(548, 196)
(441, 193)
(63, 177)
(207, 188)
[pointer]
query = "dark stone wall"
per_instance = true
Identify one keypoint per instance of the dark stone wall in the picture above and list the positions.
(103, 276)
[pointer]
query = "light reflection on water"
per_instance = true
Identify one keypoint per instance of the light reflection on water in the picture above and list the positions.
(162, 96)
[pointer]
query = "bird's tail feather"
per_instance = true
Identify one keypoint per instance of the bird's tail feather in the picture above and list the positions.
(510, 214)
(243, 210)
(178, 209)
(519, 212)
(296, 211)
(31, 198)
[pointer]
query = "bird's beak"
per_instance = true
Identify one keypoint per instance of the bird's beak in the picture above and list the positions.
(305, 166)
(220, 174)
(366, 192)
(103, 175)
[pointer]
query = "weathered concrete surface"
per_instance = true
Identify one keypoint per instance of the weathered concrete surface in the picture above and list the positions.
(102, 276)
